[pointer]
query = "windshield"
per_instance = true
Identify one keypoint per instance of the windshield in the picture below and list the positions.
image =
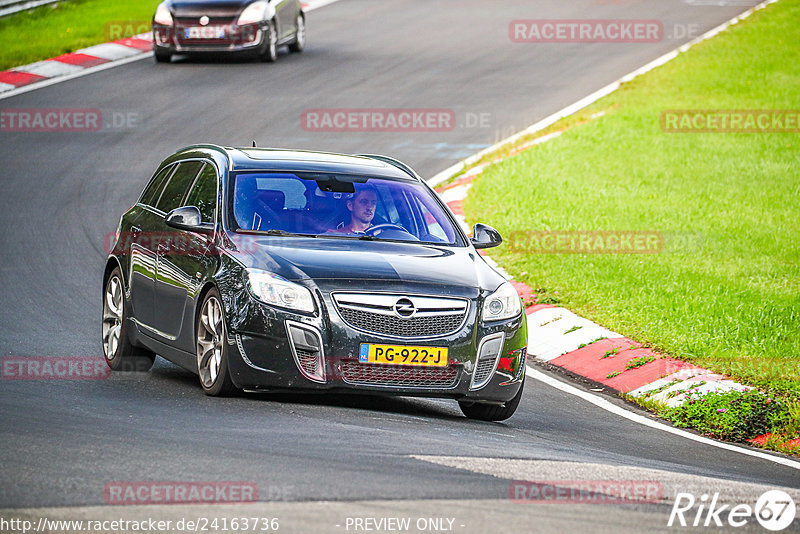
(339, 206)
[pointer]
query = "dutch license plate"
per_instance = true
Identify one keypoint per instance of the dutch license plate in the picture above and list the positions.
(403, 355)
(205, 32)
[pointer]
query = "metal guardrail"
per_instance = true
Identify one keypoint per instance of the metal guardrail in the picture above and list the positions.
(8, 7)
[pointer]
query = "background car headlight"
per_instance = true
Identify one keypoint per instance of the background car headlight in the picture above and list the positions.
(255, 12)
(278, 291)
(502, 304)
(163, 16)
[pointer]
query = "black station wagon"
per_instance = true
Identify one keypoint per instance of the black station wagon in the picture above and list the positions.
(268, 269)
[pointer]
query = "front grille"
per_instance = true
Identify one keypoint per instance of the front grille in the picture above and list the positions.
(394, 326)
(308, 361)
(356, 373)
(377, 314)
(225, 20)
(485, 368)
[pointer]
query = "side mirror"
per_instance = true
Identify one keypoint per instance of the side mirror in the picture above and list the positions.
(187, 218)
(485, 236)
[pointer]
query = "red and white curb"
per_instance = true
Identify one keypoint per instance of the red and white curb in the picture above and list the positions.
(88, 60)
(70, 65)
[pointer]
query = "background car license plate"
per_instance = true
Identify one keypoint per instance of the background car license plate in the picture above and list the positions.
(403, 355)
(205, 32)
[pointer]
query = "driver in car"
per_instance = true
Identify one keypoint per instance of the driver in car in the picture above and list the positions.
(362, 211)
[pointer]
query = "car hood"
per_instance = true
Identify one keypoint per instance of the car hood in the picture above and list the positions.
(211, 8)
(335, 264)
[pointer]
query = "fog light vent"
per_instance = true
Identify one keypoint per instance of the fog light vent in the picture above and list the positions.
(488, 357)
(307, 350)
(523, 361)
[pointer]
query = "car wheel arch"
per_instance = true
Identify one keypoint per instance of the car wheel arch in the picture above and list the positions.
(111, 264)
(201, 296)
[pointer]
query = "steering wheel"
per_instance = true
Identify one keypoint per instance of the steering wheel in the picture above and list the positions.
(379, 228)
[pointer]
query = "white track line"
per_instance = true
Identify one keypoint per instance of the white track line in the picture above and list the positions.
(636, 418)
(106, 66)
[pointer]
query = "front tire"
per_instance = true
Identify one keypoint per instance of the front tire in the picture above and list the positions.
(299, 43)
(162, 56)
(491, 412)
(119, 352)
(270, 53)
(212, 347)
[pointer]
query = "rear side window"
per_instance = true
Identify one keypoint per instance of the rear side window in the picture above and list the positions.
(178, 184)
(204, 194)
(156, 185)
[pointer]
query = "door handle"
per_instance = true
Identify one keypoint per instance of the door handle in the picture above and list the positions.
(162, 249)
(135, 231)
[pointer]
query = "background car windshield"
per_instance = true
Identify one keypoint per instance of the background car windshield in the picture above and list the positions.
(340, 206)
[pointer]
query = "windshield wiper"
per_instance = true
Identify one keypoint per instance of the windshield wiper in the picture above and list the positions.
(284, 233)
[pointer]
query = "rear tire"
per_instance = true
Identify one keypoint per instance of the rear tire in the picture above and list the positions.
(270, 53)
(491, 412)
(119, 352)
(299, 43)
(212, 347)
(162, 56)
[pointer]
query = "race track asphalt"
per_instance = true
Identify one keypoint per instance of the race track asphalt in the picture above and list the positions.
(61, 442)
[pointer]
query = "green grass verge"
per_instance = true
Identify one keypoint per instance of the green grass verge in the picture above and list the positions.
(725, 293)
(50, 31)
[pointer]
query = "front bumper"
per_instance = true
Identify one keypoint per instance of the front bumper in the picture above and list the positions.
(223, 38)
(268, 351)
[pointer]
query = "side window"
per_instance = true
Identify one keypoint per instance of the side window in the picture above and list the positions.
(434, 228)
(387, 202)
(204, 193)
(156, 185)
(433, 221)
(177, 186)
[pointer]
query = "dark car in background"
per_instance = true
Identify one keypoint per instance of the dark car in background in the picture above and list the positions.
(268, 269)
(244, 27)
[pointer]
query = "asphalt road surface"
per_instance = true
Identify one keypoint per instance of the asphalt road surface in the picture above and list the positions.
(316, 459)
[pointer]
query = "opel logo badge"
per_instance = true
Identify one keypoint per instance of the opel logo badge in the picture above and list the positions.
(404, 308)
(204, 20)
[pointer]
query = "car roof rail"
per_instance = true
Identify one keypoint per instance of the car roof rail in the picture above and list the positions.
(394, 162)
(207, 146)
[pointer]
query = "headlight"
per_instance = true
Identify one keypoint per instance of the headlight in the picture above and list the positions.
(278, 291)
(163, 16)
(255, 12)
(502, 304)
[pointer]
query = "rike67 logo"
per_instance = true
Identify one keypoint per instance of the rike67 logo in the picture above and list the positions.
(774, 510)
